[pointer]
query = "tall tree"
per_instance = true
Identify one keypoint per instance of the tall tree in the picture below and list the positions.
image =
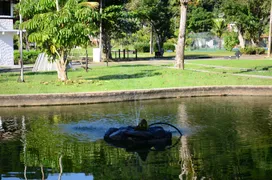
(249, 16)
(117, 23)
(57, 26)
(181, 37)
(199, 19)
(157, 14)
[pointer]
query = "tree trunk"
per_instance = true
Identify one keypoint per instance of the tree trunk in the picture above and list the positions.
(106, 46)
(159, 43)
(253, 42)
(270, 32)
(151, 40)
(241, 39)
(62, 67)
(181, 37)
(220, 43)
(87, 59)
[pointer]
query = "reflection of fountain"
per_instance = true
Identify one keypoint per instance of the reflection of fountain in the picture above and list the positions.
(187, 169)
(137, 109)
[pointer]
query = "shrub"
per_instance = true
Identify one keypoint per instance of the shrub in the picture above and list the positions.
(260, 50)
(248, 50)
(29, 57)
(252, 50)
(142, 47)
(168, 46)
(230, 40)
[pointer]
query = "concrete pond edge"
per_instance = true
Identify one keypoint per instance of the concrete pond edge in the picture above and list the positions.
(22, 100)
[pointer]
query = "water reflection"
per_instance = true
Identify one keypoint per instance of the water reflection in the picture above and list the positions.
(224, 138)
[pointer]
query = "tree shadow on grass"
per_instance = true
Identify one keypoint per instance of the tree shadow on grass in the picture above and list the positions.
(125, 76)
(257, 68)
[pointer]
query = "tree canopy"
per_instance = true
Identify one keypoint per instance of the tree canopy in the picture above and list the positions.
(58, 26)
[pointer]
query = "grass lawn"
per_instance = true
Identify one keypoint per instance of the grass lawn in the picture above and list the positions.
(119, 77)
(253, 67)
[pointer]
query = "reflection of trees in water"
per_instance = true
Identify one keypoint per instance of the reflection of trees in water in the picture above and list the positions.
(9, 128)
(48, 149)
(187, 169)
(234, 140)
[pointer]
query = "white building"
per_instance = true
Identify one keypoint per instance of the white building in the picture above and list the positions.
(6, 32)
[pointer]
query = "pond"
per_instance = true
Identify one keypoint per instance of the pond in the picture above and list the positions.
(223, 138)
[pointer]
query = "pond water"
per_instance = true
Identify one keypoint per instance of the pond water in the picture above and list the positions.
(223, 138)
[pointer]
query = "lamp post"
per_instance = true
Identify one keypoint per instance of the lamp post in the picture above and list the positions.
(21, 48)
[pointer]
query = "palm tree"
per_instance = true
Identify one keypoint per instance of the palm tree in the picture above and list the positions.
(219, 27)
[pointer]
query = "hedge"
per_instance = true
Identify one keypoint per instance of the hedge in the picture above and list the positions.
(142, 47)
(169, 46)
(252, 50)
(29, 57)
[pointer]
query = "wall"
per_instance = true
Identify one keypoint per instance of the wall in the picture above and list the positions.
(6, 42)
(115, 96)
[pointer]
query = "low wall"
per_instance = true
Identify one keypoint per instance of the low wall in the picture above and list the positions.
(114, 96)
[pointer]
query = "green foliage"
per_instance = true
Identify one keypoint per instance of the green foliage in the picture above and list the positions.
(155, 13)
(253, 50)
(230, 40)
(260, 50)
(188, 42)
(142, 47)
(199, 20)
(219, 27)
(249, 16)
(142, 36)
(29, 57)
(169, 46)
(56, 32)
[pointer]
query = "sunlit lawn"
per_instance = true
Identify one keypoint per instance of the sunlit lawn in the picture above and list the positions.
(120, 77)
(253, 67)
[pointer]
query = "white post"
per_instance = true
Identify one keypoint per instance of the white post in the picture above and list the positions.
(21, 48)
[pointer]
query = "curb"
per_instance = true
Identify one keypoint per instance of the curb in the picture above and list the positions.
(116, 96)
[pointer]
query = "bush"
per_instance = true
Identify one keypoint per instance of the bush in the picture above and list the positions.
(230, 40)
(260, 50)
(252, 50)
(142, 47)
(29, 57)
(168, 46)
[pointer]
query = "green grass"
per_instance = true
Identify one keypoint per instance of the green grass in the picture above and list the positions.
(121, 77)
(251, 67)
(235, 63)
